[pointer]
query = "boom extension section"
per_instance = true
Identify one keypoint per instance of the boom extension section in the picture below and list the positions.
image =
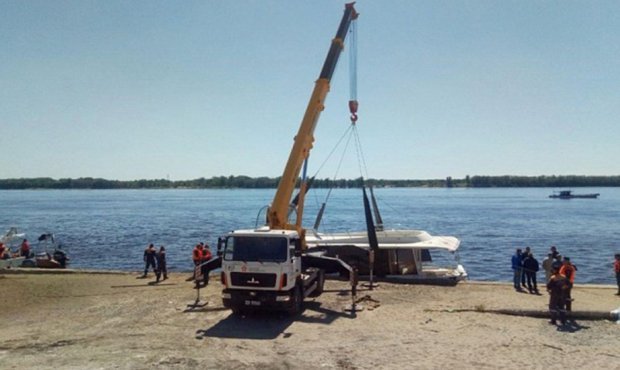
(277, 216)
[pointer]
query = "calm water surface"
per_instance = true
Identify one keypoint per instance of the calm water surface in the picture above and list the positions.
(109, 229)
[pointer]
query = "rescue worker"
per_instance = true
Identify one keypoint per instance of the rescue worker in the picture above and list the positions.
(558, 289)
(206, 256)
(196, 257)
(568, 271)
(161, 263)
(150, 259)
(24, 249)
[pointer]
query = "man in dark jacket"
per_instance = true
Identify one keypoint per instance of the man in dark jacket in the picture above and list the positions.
(161, 263)
(530, 267)
(517, 269)
(523, 256)
(150, 259)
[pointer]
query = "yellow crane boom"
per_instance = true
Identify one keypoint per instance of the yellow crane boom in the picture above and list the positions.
(277, 215)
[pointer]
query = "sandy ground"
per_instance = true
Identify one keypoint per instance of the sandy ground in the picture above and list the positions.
(93, 321)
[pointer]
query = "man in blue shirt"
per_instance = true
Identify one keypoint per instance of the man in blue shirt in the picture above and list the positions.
(517, 269)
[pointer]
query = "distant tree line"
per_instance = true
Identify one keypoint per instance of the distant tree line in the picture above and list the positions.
(246, 182)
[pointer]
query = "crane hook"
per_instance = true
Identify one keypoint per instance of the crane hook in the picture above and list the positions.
(353, 105)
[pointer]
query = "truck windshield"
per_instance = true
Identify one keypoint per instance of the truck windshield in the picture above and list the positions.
(256, 249)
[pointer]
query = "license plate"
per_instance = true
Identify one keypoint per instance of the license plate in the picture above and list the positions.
(252, 303)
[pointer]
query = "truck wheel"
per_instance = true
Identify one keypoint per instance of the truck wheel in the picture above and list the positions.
(320, 283)
(296, 301)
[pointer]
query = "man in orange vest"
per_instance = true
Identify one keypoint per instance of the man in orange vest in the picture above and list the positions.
(568, 271)
(196, 258)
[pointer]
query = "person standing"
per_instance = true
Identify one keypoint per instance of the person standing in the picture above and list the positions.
(617, 271)
(557, 288)
(517, 269)
(150, 259)
(206, 256)
(161, 263)
(568, 271)
(24, 249)
(196, 257)
(523, 257)
(547, 264)
(530, 268)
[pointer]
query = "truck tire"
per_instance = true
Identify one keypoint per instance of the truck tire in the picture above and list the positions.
(297, 300)
(320, 284)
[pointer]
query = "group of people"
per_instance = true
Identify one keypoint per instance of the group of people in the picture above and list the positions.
(200, 255)
(559, 275)
(559, 286)
(24, 251)
(156, 260)
(525, 266)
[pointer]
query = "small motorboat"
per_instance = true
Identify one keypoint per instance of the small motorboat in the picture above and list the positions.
(568, 194)
(57, 259)
(8, 258)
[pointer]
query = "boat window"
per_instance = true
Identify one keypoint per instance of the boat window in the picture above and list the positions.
(439, 258)
(256, 249)
(426, 256)
(402, 262)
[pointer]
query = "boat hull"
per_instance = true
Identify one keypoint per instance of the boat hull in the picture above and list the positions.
(403, 255)
(11, 262)
(575, 196)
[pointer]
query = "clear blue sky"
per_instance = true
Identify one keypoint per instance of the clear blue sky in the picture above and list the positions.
(187, 89)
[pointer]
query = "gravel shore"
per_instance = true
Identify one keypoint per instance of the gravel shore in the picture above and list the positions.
(88, 320)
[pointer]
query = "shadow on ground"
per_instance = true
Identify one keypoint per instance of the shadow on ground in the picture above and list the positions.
(267, 324)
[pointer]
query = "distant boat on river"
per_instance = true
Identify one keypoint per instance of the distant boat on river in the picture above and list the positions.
(568, 194)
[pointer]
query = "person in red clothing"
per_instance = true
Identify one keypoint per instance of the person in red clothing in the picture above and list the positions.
(617, 271)
(24, 250)
(4, 252)
(196, 258)
(568, 271)
(206, 256)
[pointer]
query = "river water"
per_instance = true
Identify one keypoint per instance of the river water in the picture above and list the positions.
(109, 229)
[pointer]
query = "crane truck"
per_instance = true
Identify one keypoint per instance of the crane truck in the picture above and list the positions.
(269, 267)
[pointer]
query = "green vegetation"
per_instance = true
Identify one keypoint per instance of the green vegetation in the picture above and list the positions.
(245, 182)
